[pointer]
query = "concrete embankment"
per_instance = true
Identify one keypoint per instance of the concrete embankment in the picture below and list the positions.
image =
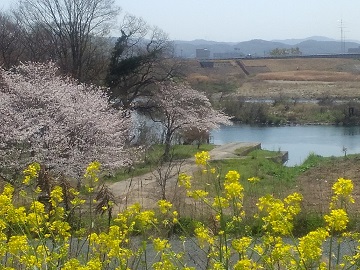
(227, 151)
(241, 149)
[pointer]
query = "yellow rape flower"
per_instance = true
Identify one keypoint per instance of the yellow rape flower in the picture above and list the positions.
(37, 207)
(184, 180)
(337, 219)
(31, 172)
(56, 196)
(30, 261)
(42, 251)
(17, 244)
(218, 266)
(203, 235)
(164, 206)
(232, 177)
(310, 246)
(60, 228)
(74, 192)
(342, 189)
(77, 201)
(197, 194)
(279, 214)
(93, 170)
(247, 264)
(16, 215)
(8, 190)
(164, 264)
(201, 158)
(160, 244)
(220, 202)
(71, 264)
(94, 264)
(37, 217)
(293, 203)
(146, 219)
(281, 253)
(175, 217)
(254, 179)
(241, 245)
(234, 190)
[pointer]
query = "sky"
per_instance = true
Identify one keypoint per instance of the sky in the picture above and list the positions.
(239, 20)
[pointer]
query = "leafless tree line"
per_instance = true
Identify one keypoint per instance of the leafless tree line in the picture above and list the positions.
(80, 36)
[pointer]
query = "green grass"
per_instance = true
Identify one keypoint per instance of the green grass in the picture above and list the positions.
(275, 178)
(216, 86)
(153, 156)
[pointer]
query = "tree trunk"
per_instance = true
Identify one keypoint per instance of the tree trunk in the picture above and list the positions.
(166, 156)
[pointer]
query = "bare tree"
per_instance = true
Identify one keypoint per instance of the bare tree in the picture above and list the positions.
(11, 41)
(72, 24)
(39, 45)
(141, 57)
(96, 60)
(165, 171)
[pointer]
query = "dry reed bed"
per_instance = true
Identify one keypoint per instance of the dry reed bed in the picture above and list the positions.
(309, 75)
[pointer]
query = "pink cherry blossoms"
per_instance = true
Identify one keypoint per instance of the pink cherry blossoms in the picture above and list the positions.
(184, 107)
(179, 108)
(57, 122)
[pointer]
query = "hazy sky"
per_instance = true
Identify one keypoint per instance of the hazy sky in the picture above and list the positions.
(239, 20)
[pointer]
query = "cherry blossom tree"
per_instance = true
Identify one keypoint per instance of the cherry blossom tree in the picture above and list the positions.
(179, 107)
(57, 122)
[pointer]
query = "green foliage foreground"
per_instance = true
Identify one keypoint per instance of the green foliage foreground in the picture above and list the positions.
(39, 235)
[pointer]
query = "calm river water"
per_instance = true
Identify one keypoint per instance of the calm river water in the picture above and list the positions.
(299, 141)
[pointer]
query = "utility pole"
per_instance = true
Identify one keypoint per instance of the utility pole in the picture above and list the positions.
(342, 37)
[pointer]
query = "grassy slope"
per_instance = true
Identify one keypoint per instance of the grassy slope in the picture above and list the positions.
(153, 155)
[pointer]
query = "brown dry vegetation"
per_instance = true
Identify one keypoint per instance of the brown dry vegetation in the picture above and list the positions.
(290, 78)
(309, 75)
(315, 184)
(320, 64)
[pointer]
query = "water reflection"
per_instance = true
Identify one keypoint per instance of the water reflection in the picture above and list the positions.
(352, 131)
(299, 141)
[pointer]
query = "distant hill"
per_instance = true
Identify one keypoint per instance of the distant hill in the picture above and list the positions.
(259, 47)
(294, 41)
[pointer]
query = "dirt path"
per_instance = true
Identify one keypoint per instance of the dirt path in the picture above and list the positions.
(145, 189)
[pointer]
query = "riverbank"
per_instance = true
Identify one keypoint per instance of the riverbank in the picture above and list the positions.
(290, 112)
(295, 90)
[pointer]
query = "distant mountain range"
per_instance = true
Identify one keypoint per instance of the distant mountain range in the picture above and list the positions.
(259, 47)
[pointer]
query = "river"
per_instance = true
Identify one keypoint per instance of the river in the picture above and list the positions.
(299, 141)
